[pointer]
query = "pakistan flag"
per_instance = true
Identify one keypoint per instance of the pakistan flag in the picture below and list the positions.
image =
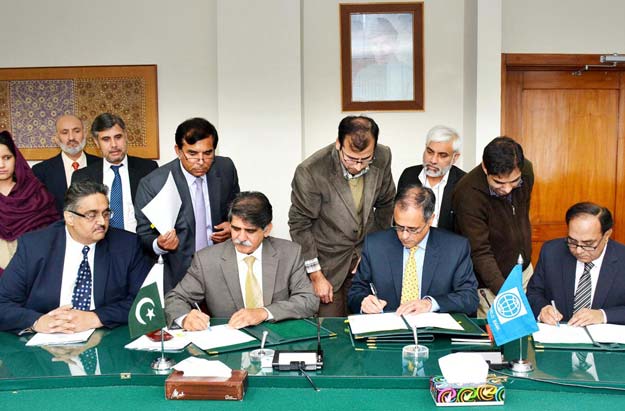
(146, 314)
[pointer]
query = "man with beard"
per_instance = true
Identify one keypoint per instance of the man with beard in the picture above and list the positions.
(251, 279)
(438, 172)
(56, 172)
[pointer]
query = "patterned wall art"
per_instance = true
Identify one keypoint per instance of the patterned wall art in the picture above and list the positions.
(32, 98)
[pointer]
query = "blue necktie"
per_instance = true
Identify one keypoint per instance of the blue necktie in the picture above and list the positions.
(117, 199)
(81, 297)
(89, 360)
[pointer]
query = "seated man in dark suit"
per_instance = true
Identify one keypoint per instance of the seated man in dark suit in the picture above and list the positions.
(438, 172)
(117, 170)
(583, 274)
(56, 173)
(251, 278)
(75, 274)
(413, 267)
(207, 183)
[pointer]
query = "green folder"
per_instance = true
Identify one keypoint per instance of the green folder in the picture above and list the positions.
(579, 346)
(470, 328)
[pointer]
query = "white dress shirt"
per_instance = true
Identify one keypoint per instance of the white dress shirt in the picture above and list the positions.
(71, 264)
(130, 223)
(438, 190)
(67, 165)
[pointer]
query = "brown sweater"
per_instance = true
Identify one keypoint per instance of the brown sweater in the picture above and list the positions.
(498, 229)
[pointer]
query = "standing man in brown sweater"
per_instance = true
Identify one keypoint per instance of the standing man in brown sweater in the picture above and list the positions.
(491, 205)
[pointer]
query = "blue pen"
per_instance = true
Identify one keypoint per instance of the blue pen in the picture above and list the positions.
(374, 292)
(209, 321)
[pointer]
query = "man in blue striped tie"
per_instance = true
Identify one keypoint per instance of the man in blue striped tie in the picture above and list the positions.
(581, 278)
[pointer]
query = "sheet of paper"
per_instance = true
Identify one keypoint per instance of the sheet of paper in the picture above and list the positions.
(163, 210)
(608, 333)
(200, 367)
(438, 320)
(368, 323)
(143, 343)
(218, 336)
(564, 334)
(59, 338)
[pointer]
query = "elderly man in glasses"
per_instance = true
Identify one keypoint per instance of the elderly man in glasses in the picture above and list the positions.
(340, 194)
(75, 274)
(581, 278)
(413, 267)
(207, 184)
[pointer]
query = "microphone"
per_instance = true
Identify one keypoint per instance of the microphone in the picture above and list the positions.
(319, 350)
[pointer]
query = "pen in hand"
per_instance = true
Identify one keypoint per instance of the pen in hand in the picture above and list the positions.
(208, 325)
(553, 304)
(375, 294)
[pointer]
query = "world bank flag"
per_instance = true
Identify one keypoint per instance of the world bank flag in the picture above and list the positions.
(510, 317)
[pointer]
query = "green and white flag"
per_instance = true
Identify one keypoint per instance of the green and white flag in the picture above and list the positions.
(146, 314)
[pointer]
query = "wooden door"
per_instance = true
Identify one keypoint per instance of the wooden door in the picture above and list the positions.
(571, 128)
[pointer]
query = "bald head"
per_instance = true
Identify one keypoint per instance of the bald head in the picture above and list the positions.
(70, 135)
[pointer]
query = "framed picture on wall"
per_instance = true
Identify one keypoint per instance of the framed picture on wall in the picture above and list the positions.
(31, 99)
(382, 56)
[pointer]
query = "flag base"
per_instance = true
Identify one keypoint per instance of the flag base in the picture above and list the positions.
(522, 366)
(162, 364)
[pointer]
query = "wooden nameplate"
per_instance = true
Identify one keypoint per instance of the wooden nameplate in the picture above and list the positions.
(179, 387)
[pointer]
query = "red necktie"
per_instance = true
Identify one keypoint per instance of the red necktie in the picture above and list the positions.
(75, 165)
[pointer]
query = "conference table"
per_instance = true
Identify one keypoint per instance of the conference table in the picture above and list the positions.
(353, 377)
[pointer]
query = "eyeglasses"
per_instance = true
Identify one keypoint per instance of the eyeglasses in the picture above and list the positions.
(195, 158)
(92, 215)
(409, 230)
(574, 244)
(352, 160)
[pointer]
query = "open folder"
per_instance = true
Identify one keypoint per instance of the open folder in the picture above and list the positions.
(397, 327)
(601, 337)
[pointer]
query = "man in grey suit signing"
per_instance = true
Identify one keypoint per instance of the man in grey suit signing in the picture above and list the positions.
(340, 194)
(251, 278)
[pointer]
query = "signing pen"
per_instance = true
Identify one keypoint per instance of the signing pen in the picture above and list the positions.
(209, 321)
(553, 304)
(375, 293)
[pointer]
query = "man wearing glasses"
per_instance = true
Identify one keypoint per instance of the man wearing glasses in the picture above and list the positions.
(207, 184)
(75, 274)
(581, 278)
(340, 194)
(491, 205)
(413, 267)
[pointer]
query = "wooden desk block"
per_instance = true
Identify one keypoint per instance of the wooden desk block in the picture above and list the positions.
(179, 387)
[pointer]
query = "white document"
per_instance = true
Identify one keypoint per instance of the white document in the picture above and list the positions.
(59, 338)
(438, 320)
(368, 323)
(163, 210)
(608, 333)
(218, 336)
(144, 343)
(564, 334)
(200, 367)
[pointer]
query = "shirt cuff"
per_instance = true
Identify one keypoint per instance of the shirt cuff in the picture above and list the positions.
(269, 315)
(605, 317)
(157, 249)
(312, 265)
(180, 320)
(435, 307)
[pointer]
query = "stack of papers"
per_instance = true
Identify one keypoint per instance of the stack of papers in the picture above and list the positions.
(59, 338)
(566, 334)
(218, 336)
(371, 323)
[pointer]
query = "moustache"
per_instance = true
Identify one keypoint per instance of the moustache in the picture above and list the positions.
(245, 243)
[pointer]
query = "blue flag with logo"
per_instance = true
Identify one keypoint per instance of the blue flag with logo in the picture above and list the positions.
(510, 317)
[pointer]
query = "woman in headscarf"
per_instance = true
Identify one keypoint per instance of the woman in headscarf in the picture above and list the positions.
(25, 204)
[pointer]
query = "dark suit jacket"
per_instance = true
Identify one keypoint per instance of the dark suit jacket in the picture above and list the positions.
(223, 185)
(137, 169)
(31, 284)
(52, 174)
(214, 278)
(554, 279)
(411, 176)
(447, 272)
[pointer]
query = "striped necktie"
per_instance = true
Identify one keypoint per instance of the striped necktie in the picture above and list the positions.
(584, 289)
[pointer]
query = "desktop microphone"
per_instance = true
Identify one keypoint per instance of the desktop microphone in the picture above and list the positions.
(319, 350)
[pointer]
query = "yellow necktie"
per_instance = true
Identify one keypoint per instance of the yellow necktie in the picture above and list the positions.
(410, 282)
(253, 293)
